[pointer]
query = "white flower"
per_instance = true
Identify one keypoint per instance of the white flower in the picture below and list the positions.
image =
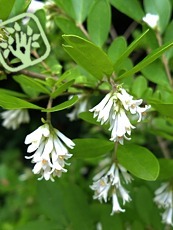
(13, 118)
(164, 199)
(50, 152)
(151, 20)
(120, 125)
(110, 185)
(113, 108)
(34, 6)
(80, 107)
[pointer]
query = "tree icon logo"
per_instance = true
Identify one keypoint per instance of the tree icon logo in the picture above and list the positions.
(20, 40)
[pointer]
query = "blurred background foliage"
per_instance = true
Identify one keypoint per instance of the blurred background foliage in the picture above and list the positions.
(66, 204)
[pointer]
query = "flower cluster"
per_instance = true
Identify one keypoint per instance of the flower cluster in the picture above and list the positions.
(107, 185)
(50, 152)
(13, 118)
(164, 199)
(113, 109)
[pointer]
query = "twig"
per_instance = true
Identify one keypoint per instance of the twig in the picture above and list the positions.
(33, 74)
(163, 146)
(82, 28)
(113, 32)
(164, 59)
(129, 30)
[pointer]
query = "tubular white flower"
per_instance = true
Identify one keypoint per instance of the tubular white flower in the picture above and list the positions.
(164, 199)
(109, 185)
(50, 153)
(113, 108)
(120, 125)
(12, 119)
(152, 20)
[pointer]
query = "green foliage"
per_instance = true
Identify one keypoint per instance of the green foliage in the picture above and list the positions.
(139, 161)
(99, 26)
(91, 148)
(96, 47)
(6, 8)
(88, 55)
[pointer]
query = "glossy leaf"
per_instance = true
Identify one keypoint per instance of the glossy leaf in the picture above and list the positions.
(98, 25)
(19, 7)
(89, 56)
(161, 8)
(62, 88)
(131, 8)
(139, 86)
(63, 105)
(155, 72)
(88, 117)
(81, 9)
(5, 8)
(68, 26)
(164, 109)
(117, 47)
(139, 161)
(166, 169)
(11, 102)
(30, 84)
(147, 60)
(91, 147)
(130, 49)
(64, 203)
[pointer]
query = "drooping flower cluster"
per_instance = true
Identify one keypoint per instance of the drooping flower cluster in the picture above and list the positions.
(113, 109)
(164, 199)
(50, 152)
(13, 118)
(108, 185)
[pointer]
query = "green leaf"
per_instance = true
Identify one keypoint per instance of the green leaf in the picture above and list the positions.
(155, 72)
(19, 7)
(89, 56)
(62, 210)
(164, 109)
(11, 102)
(97, 24)
(12, 93)
(88, 117)
(5, 9)
(81, 9)
(117, 47)
(147, 60)
(62, 88)
(131, 8)
(66, 6)
(38, 224)
(139, 161)
(130, 49)
(139, 86)
(63, 105)
(144, 199)
(161, 8)
(30, 84)
(68, 26)
(166, 169)
(91, 147)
